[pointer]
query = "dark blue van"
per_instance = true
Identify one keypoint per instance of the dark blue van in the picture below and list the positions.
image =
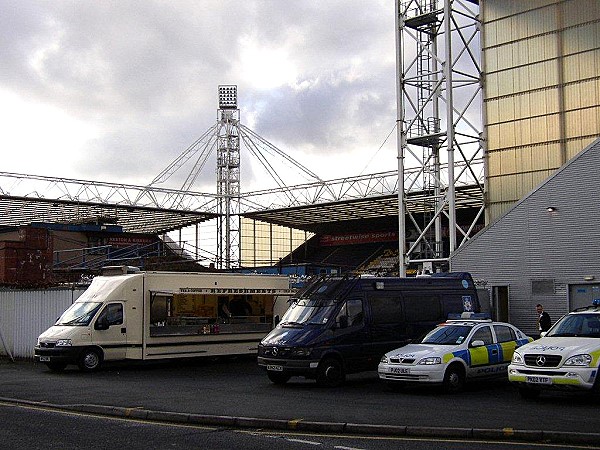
(341, 325)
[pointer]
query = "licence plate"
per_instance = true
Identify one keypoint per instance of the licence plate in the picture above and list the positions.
(275, 368)
(44, 359)
(399, 370)
(533, 379)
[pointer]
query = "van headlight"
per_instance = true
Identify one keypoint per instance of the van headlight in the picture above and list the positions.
(579, 360)
(517, 358)
(430, 360)
(301, 351)
(63, 343)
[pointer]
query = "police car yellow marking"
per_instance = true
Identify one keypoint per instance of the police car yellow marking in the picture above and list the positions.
(595, 357)
(567, 381)
(508, 348)
(479, 356)
(447, 357)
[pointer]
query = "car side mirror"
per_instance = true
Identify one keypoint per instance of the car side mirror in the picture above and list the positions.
(543, 333)
(477, 343)
(276, 320)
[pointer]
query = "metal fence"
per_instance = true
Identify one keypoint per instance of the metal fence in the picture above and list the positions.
(25, 314)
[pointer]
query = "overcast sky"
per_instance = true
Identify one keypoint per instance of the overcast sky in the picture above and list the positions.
(115, 90)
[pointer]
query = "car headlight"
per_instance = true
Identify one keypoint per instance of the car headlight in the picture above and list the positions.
(517, 358)
(579, 360)
(431, 360)
(384, 359)
(301, 351)
(63, 343)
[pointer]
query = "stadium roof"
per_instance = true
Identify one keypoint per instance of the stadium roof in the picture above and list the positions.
(18, 211)
(326, 217)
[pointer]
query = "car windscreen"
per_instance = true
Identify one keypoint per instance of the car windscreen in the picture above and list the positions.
(579, 325)
(308, 311)
(79, 314)
(447, 335)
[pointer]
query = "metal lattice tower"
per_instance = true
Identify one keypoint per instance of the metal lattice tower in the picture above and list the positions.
(228, 177)
(439, 96)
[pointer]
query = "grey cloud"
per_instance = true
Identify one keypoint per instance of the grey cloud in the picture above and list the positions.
(146, 72)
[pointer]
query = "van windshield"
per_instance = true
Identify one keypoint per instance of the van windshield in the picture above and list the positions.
(579, 325)
(79, 314)
(308, 311)
(447, 335)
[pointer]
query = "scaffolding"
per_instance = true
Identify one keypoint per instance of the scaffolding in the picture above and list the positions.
(439, 100)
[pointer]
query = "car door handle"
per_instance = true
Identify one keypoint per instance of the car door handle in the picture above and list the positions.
(123, 330)
(494, 352)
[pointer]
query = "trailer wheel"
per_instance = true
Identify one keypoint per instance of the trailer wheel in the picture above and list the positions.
(330, 372)
(56, 366)
(90, 360)
(454, 379)
(278, 377)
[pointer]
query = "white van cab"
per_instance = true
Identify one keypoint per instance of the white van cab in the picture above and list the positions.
(565, 357)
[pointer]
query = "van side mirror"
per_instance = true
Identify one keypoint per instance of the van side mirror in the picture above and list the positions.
(477, 343)
(276, 320)
(343, 321)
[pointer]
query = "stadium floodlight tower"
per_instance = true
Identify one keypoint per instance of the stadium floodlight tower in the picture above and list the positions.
(440, 138)
(228, 177)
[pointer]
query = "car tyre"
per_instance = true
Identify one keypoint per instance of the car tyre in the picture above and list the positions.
(90, 360)
(278, 377)
(56, 366)
(528, 393)
(454, 379)
(330, 373)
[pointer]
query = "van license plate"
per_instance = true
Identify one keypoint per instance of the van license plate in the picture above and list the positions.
(399, 370)
(44, 359)
(275, 368)
(538, 380)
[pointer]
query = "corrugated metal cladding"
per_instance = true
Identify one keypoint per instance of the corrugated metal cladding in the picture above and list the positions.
(25, 314)
(531, 246)
(541, 60)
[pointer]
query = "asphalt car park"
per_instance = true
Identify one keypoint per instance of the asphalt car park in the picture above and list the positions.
(237, 387)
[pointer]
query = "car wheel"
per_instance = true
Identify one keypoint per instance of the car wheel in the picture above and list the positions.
(330, 372)
(454, 379)
(90, 360)
(278, 377)
(56, 366)
(528, 393)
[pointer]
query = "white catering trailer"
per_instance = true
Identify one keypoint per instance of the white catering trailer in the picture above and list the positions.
(128, 314)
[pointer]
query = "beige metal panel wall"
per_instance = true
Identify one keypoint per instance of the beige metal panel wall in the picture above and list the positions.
(541, 60)
(25, 314)
(530, 243)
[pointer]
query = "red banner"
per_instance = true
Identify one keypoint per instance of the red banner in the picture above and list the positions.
(358, 238)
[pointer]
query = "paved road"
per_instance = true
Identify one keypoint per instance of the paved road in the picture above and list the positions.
(237, 387)
(37, 428)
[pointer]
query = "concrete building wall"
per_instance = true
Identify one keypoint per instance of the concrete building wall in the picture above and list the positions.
(541, 255)
(541, 60)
